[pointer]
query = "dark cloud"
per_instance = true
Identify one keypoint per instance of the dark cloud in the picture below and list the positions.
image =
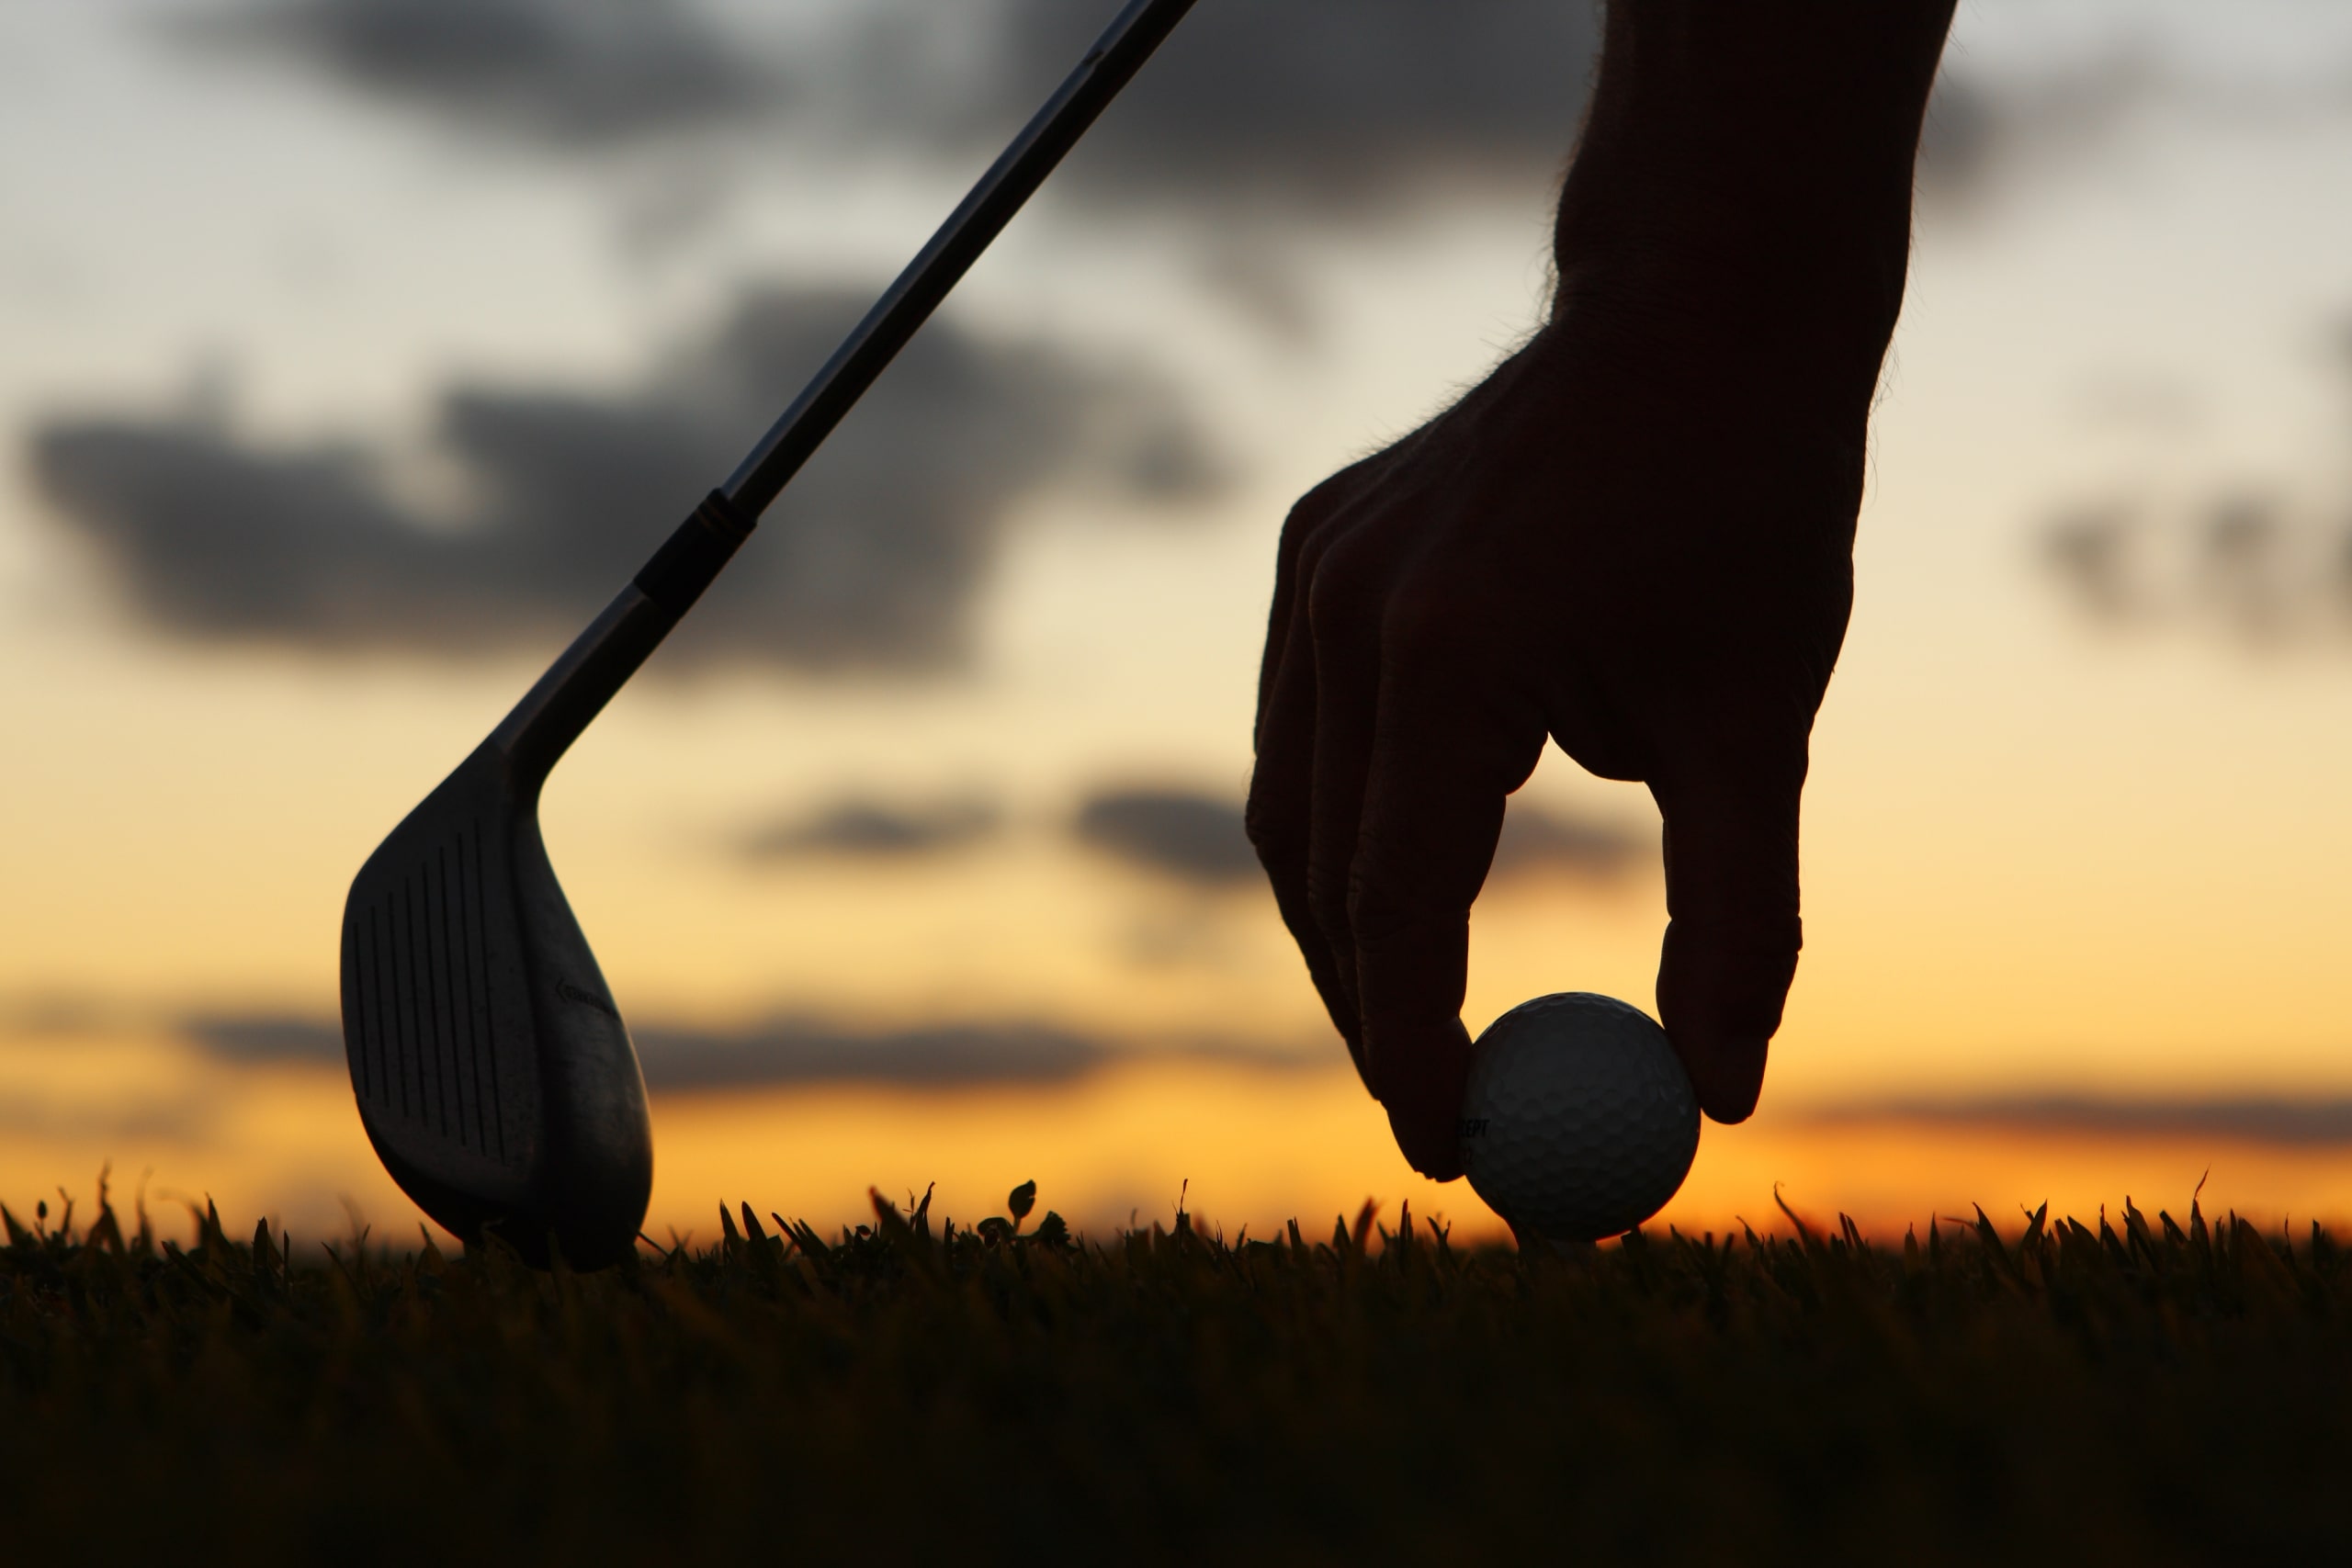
(862, 828)
(180, 1121)
(56, 1015)
(2238, 564)
(1176, 832)
(948, 1054)
(1334, 102)
(807, 1051)
(797, 1050)
(1537, 841)
(2088, 549)
(872, 560)
(1324, 105)
(2241, 556)
(263, 1039)
(1200, 838)
(1983, 133)
(2281, 1123)
(1960, 137)
(566, 72)
(2263, 561)
(2073, 107)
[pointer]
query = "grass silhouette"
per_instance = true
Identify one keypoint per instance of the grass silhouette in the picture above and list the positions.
(917, 1389)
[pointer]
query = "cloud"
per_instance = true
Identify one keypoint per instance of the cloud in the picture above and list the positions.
(263, 1039)
(55, 1015)
(26, 1116)
(1300, 108)
(1539, 841)
(1985, 130)
(567, 72)
(2088, 549)
(2051, 92)
(1335, 103)
(1200, 838)
(950, 1054)
(872, 560)
(797, 1050)
(2278, 1123)
(2257, 560)
(1176, 832)
(2238, 564)
(811, 1052)
(1338, 102)
(863, 829)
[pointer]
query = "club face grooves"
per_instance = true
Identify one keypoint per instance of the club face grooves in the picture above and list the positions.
(418, 1032)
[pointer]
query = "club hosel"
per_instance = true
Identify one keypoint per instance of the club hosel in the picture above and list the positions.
(543, 726)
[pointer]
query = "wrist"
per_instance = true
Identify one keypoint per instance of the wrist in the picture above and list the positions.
(1750, 166)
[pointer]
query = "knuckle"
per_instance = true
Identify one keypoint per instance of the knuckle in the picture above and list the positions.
(1275, 831)
(1342, 593)
(1327, 504)
(1300, 525)
(1435, 614)
(1329, 898)
(1379, 902)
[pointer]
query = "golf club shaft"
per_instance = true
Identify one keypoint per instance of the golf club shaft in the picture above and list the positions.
(576, 688)
(1009, 182)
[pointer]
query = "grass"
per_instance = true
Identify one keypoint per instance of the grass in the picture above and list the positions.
(915, 1390)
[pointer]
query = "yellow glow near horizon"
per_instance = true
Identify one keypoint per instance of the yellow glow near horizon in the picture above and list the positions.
(1241, 1148)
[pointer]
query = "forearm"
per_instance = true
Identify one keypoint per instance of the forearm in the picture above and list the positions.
(1746, 165)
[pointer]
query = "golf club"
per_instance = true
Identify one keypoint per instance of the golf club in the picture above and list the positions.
(493, 1073)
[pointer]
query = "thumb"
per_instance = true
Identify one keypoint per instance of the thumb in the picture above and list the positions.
(1731, 893)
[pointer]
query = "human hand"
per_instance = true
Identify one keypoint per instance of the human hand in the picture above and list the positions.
(1634, 538)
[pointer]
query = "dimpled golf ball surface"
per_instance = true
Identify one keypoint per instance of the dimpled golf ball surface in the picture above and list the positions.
(1579, 1121)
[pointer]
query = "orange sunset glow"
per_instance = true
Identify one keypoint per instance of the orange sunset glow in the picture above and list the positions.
(930, 871)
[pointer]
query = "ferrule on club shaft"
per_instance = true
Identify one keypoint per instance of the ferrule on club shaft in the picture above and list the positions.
(693, 554)
(602, 659)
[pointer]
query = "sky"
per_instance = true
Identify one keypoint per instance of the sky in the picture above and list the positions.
(359, 349)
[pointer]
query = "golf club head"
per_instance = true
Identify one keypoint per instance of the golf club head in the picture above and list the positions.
(492, 1071)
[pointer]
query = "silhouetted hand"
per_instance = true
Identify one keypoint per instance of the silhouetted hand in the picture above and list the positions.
(1634, 538)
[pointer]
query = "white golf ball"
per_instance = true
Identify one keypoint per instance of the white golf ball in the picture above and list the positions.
(1579, 1121)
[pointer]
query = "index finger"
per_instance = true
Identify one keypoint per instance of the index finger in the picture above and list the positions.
(1449, 744)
